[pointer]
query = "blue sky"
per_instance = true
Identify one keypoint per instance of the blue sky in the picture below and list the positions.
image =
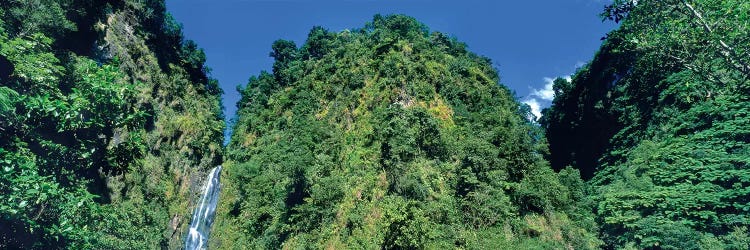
(530, 42)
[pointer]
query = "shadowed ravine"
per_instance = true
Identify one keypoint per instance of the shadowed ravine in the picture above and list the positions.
(203, 217)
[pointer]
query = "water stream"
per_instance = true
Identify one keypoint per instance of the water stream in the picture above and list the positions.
(203, 216)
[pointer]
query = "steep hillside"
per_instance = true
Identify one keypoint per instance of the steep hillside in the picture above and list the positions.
(107, 123)
(661, 120)
(391, 136)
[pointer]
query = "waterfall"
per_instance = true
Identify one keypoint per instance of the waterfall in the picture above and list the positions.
(203, 216)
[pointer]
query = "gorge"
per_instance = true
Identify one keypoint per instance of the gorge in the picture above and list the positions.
(387, 136)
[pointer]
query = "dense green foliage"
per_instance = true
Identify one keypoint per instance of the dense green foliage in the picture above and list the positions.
(661, 120)
(391, 136)
(384, 137)
(107, 121)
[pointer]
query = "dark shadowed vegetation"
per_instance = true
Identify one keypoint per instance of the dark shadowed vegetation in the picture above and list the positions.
(660, 120)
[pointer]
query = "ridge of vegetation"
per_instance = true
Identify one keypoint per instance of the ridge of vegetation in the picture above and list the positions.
(391, 136)
(660, 120)
(108, 120)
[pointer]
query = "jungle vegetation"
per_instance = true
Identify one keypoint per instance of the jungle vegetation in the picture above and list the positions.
(391, 136)
(659, 121)
(388, 136)
(107, 121)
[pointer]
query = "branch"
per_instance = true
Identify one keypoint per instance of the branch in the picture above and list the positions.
(41, 210)
(707, 75)
(726, 51)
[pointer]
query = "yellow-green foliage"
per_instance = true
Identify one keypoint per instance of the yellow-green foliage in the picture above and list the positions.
(389, 137)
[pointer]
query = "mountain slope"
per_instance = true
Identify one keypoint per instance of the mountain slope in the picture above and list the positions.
(390, 137)
(107, 123)
(660, 120)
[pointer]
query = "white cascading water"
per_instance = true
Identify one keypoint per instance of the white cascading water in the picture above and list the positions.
(203, 216)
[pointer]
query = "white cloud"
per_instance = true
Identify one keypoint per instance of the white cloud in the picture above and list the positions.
(541, 98)
(545, 93)
(536, 108)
